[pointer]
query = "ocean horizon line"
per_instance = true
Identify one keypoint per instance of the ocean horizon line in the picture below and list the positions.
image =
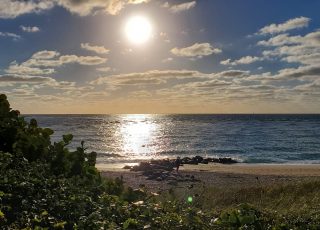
(114, 114)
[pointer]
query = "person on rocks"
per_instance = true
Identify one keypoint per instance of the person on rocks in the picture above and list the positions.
(178, 163)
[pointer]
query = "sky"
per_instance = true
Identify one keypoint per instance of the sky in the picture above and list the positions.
(204, 56)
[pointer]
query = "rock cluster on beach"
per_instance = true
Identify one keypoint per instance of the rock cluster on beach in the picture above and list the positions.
(200, 160)
(163, 169)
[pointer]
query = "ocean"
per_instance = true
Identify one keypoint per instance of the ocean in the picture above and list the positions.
(270, 139)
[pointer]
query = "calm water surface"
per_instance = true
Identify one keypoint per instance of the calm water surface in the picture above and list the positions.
(249, 138)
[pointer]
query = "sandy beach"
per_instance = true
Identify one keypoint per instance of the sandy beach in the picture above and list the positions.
(222, 176)
(259, 169)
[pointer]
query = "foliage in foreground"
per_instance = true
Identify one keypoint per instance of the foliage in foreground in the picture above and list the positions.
(45, 185)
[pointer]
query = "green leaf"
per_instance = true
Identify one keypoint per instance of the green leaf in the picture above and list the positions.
(1, 215)
(130, 223)
(60, 225)
(47, 131)
(44, 213)
(67, 138)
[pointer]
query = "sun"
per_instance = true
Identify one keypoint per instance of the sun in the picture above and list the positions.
(138, 29)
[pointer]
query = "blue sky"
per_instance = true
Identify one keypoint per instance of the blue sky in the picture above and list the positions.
(205, 56)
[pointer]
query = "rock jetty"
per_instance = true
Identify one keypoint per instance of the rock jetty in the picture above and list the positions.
(163, 169)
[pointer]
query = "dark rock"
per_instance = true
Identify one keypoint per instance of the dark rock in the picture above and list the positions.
(127, 167)
(143, 166)
(162, 169)
(199, 159)
(205, 161)
(227, 160)
(215, 160)
(186, 160)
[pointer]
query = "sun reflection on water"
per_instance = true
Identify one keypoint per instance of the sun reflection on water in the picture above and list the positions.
(139, 135)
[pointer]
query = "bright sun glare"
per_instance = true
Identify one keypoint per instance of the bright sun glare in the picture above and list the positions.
(138, 29)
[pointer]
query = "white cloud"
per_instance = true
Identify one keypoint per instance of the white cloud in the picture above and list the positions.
(49, 58)
(104, 69)
(308, 72)
(242, 61)
(232, 74)
(14, 68)
(149, 77)
(10, 35)
(281, 39)
(138, 82)
(196, 50)
(42, 62)
(212, 88)
(30, 29)
(226, 62)
(180, 7)
(313, 38)
(291, 24)
(209, 84)
(299, 49)
(96, 49)
(84, 8)
(82, 60)
(33, 69)
(299, 72)
(310, 39)
(15, 8)
(24, 79)
(313, 86)
(45, 54)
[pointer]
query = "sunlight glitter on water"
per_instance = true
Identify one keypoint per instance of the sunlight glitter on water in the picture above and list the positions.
(139, 136)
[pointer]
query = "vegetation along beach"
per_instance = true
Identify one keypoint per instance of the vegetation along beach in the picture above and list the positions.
(47, 184)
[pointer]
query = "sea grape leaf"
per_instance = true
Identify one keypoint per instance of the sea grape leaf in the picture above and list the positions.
(67, 138)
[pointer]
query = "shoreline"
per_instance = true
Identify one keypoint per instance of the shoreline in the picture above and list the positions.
(219, 176)
(239, 168)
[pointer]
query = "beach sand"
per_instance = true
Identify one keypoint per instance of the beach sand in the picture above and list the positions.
(259, 169)
(221, 176)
